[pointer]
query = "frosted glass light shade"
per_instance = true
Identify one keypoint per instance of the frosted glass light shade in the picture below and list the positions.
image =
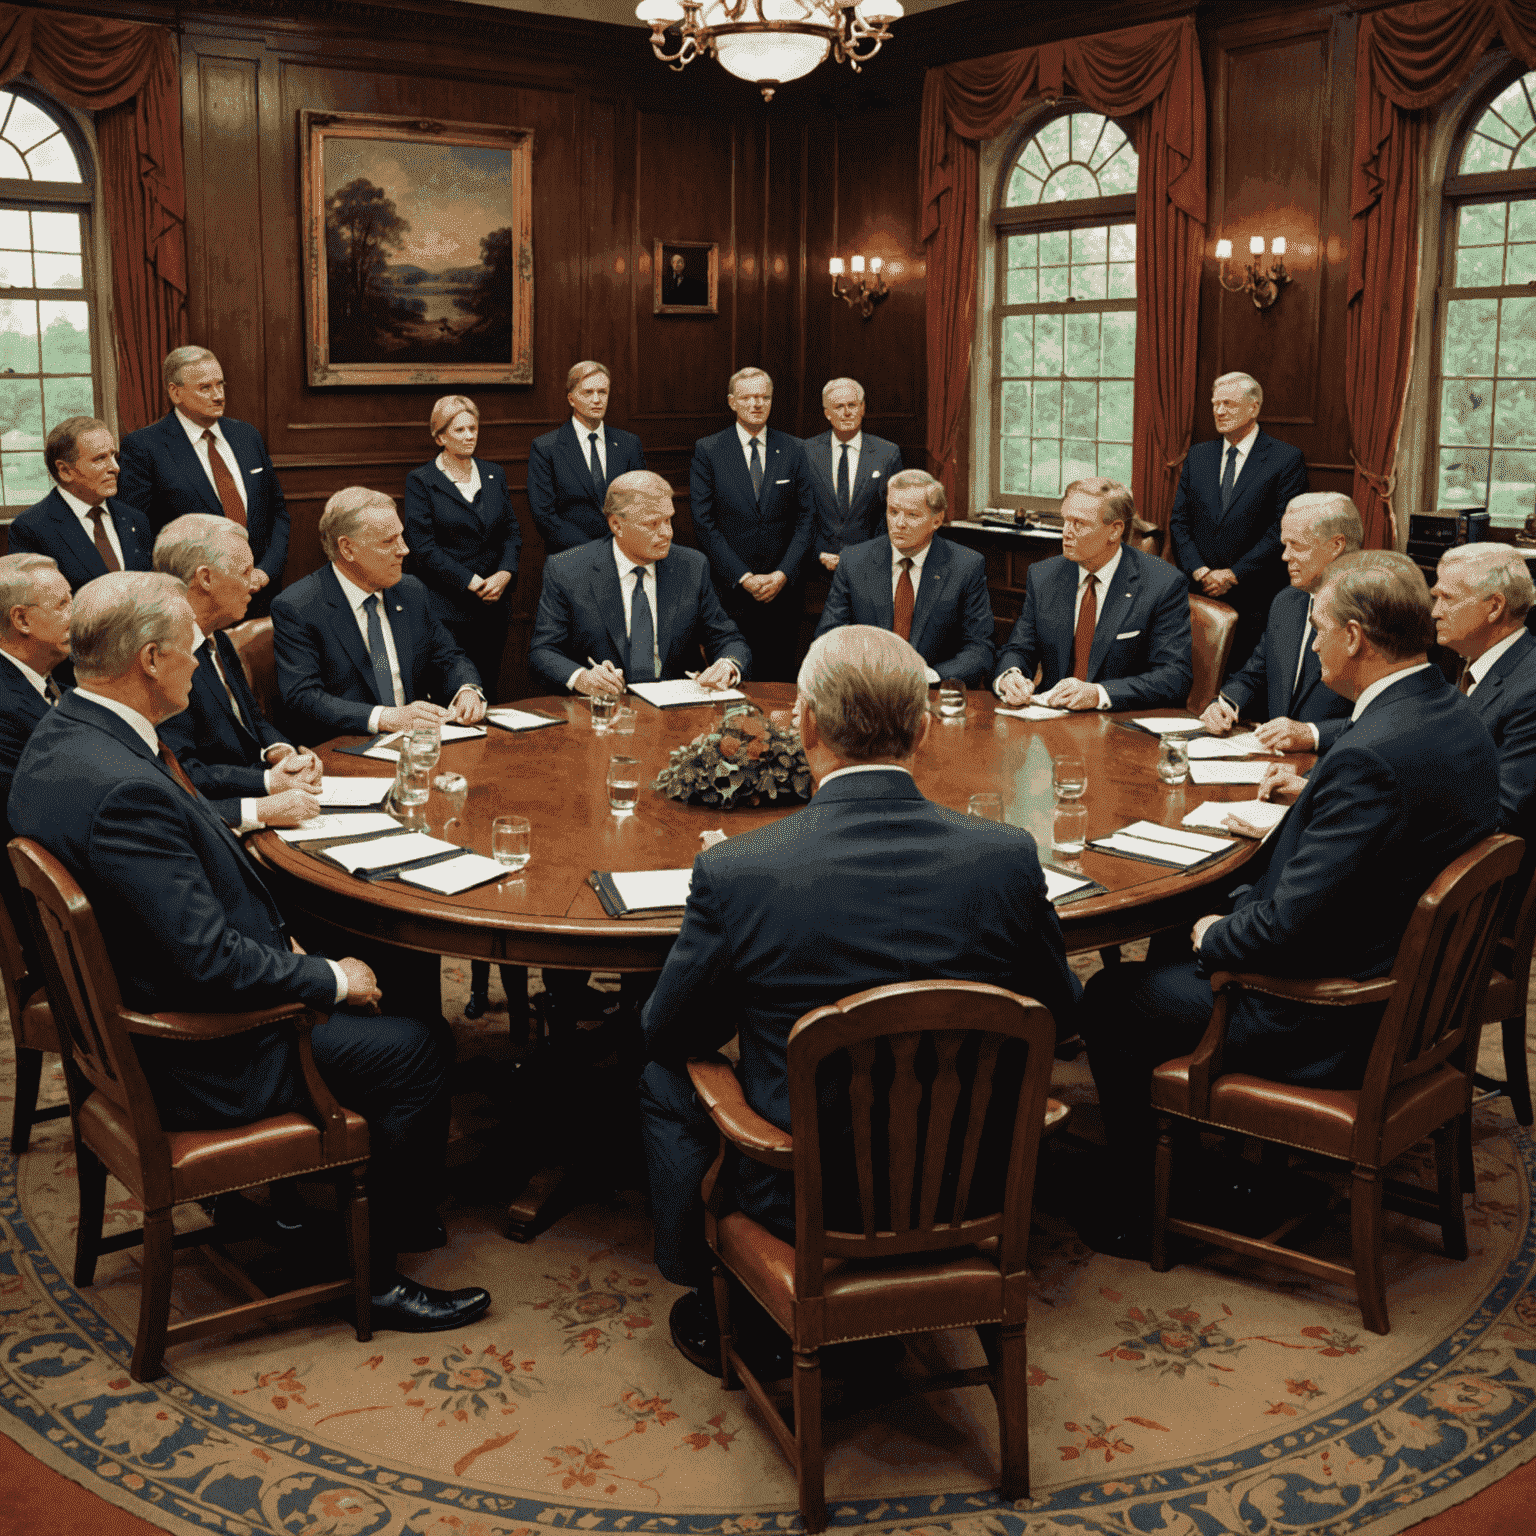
(659, 12)
(1256, 245)
(1223, 250)
(874, 12)
(775, 56)
(1277, 245)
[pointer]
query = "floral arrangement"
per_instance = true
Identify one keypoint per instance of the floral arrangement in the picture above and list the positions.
(750, 758)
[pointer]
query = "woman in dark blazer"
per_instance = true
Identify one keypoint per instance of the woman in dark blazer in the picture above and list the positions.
(464, 541)
(464, 538)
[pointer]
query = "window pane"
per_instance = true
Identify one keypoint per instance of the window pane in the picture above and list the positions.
(18, 336)
(1079, 156)
(1079, 460)
(53, 160)
(1069, 183)
(1047, 416)
(12, 166)
(1016, 409)
(1115, 407)
(1080, 410)
(1045, 468)
(58, 271)
(1471, 327)
(66, 337)
(1514, 414)
(63, 398)
(1482, 224)
(1023, 287)
(1520, 265)
(15, 269)
(1018, 345)
(1502, 136)
(1517, 338)
(1115, 461)
(1466, 412)
(1048, 346)
(1122, 280)
(1015, 476)
(1512, 488)
(21, 414)
(15, 230)
(1463, 478)
(56, 232)
(1119, 346)
(1479, 266)
(1082, 346)
(23, 477)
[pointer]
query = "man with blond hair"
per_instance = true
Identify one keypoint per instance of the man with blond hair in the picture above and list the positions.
(869, 884)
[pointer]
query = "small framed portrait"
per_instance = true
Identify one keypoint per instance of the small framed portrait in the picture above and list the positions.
(687, 277)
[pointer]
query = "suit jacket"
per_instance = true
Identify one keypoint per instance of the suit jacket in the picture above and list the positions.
(878, 461)
(581, 614)
(164, 478)
(1404, 790)
(951, 619)
(21, 708)
(452, 539)
(871, 883)
(222, 755)
(734, 530)
(51, 528)
(566, 504)
(1141, 643)
(1505, 701)
(1246, 537)
(1269, 683)
(323, 669)
(185, 917)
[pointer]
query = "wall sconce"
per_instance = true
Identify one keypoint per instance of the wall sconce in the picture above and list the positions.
(1265, 288)
(864, 293)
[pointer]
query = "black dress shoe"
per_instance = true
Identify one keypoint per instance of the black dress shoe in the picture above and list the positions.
(479, 1002)
(695, 1332)
(411, 1308)
(418, 1236)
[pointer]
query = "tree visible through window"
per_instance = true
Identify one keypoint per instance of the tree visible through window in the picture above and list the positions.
(46, 304)
(1064, 343)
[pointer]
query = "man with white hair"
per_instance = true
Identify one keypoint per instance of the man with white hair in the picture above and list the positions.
(851, 471)
(190, 927)
(871, 883)
(1225, 523)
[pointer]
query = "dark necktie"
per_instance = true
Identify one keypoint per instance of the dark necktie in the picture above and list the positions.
(1228, 477)
(642, 634)
(757, 471)
(377, 653)
(51, 690)
(224, 482)
(598, 478)
(102, 542)
(208, 655)
(177, 771)
(1302, 680)
(1467, 683)
(904, 600)
(842, 483)
(1082, 640)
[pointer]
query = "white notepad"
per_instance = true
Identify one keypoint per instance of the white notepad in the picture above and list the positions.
(1033, 712)
(455, 875)
(382, 852)
(459, 732)
(1266, 814)
(1058, 885)
(1247, 744)
(1225, 771)
(1157, 833)
(336, 793)
(517, 719)
(348, 824)
(1146, 848)
(641, 890)
(683, 690)
(1174, 725)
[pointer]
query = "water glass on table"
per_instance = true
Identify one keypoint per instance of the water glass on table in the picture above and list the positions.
(987, 806)
(1069, 827)
(424, 743)
(1069, 776)
(623, 722)
(951, 699)
(623, 784)
(1173, 759)
(413, 780)
(510, 845)
(602, 711)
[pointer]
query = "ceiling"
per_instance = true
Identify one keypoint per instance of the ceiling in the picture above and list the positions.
(623, 11)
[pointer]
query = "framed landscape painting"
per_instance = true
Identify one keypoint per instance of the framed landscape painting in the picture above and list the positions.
(418, 250)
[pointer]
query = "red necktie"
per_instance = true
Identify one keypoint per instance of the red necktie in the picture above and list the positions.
(905, 599)
(1082, 641)
(102, 542)
(177, 771)
(224, 482)
(1467, 682)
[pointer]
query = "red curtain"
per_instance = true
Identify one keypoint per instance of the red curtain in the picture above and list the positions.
(1151, 74)
(126, 74)
(1409, 58)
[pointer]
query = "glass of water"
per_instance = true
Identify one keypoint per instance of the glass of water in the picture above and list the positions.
(1069, 827)
(602, 711)
(623, 784)
(510, 841)
(413, 781)
(623, 722)
(989, 807)
(425, 744)
(1069, 776)
(952, 699)
(1173, 759)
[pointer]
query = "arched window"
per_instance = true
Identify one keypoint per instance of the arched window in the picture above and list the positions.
(1485, 447)
(48, 329)
(1064, 315)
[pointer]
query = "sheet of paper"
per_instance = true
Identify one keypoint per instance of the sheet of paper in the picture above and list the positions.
(1157, 833)
(1058, 885)
(384, 754)
(1213, 813)
(1145, 848)
(382, 852)
(643, 889)
(1247, 744)
(336, 793)
(348, 824)
(1033, 712)
(1225, 771)
(516, 719)
(459, 732)
(683, 690)
(455, 875)
(1173, 725)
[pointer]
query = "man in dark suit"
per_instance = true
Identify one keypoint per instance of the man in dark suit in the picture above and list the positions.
(189, 925)
(351, 661)
(1108, 625)
(870, 884)
(753, 507)
(1225, 522)
(851, 471)
(197, 459)
(228, 748)
(589, 635)
(930, 591)
(571, 468)
(34, 639)
(679, 286)
(1412, 784)
(1282, 681)
(81, 523)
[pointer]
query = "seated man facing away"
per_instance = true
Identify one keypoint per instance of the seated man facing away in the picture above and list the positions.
(353, 661)
(189, 926)
(869, 884)
(635, 607)
(1411, 784)
(227, 746)
(930, 591)
(1108, 625)
(1281, 680)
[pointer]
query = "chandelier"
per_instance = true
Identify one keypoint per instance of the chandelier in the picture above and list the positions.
(769, 41)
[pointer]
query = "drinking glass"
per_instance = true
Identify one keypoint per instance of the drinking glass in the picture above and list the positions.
(510, 841)
(988, 807)
(425, 744)
(623, 722)
(1173, 759)
(1069, 827)
(623, 784)
(413, 781)
(602, 711)
(951, 699)
(1069, 777)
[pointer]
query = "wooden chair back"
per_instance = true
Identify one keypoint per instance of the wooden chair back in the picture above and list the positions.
(1147, 537)
(1212, 626)
(21, 979)
(923, 1085)
(253, 644)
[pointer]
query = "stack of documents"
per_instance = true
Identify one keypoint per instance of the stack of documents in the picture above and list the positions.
(1174, 725)
(450, 876)
(652, 890)
(510, 719)
(1247, 744)
(388, 852)
(683, 690)
(348, 824)
(1059, 884)
(1264, 814)
(1033, 712)
(1225, 771)
(1162, 845)
(342, 794)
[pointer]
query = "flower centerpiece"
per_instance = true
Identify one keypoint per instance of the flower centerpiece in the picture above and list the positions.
(749, 759)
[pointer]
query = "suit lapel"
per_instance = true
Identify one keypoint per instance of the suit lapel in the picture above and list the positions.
(185, 456)
(735, 465)
(863, 480)
(576, 462)
(1059, 619)
(344, 623)
(878, 575)
(1115, 602)
(244, 721)
(929, 589)
(610, 599)
(404, 639)
(75, 536)
(666, 610)
(1253, 470)
(127, 533)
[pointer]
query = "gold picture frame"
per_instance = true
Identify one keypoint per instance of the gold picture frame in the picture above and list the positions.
(686, 277)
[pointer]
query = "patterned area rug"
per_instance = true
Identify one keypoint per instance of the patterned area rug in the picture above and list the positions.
(1216, 1398)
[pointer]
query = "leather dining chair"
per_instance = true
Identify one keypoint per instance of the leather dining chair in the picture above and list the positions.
(1504, 1004)
(32, 1030)
(1212, 626)
(1418, 1082)
(117, 1129)
(1147, 537)
(253, 645)
(933, 1221)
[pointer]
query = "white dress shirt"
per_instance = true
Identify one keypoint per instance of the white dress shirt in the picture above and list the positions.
(1481, 667)
(200, 448)
(582, 434)
(1244, 448)
(357, 597)
(83, 512)
(468, 489)
(746, 439)
(855, 448)
(1104, 576)
(1380, 685)
(918, 561)
(37, 679)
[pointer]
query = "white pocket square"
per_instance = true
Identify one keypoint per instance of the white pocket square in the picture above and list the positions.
(781, 482)
(874, 474)
(253, 471)
(1129, 634)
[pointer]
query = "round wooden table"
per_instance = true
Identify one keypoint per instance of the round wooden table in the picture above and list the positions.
(556, 777)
